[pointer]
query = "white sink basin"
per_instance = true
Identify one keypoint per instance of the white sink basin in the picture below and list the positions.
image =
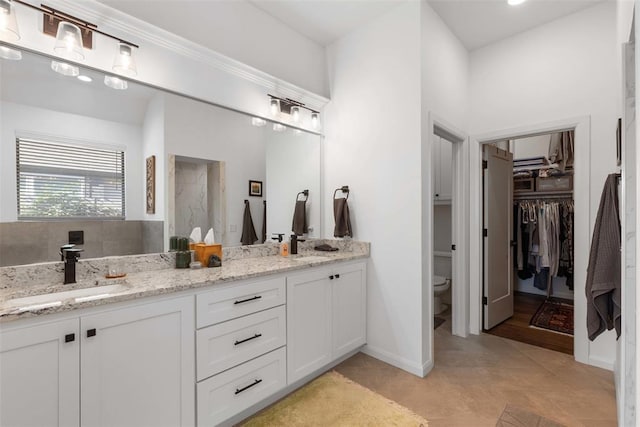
(56, 299)
(312, 258)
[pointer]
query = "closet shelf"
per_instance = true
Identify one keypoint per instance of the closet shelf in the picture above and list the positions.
(543, 195)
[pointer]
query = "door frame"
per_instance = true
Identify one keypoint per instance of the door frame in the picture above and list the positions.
(459, 236)
(582, 127)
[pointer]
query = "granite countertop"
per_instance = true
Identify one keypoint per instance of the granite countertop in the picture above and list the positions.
(161, 281)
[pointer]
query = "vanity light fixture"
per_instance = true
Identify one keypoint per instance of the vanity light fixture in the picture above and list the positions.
(8, 23)
(279, 128)
(69, 41)
(115, 83)
(124, 63)
(8, 53)
(257, 121)
(292, 107)
(65, 69)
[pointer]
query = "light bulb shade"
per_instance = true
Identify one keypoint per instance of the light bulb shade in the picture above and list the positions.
(274, 106)
(65, 69)
(8, 23)
(315, 120)
(257, 121)
(115, 82)
(279, 128)
(124, 63)
(295, 114)
(69, 41)
(8, 53)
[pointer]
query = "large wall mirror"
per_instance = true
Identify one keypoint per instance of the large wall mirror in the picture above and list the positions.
(205, 158)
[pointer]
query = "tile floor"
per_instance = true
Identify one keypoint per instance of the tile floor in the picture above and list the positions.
(475, 378)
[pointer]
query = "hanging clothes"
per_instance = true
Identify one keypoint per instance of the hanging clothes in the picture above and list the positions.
(561, 149)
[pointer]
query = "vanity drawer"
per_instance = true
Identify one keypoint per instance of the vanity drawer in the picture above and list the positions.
(226, 394)
(220, 305)
(231, 343)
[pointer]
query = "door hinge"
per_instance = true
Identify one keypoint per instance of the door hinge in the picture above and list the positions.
(453, 247)
(484, 301)
(485, 164)
(485, 232)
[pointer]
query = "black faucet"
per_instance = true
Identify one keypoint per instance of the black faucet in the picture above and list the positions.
(70, 254)
(279, 237)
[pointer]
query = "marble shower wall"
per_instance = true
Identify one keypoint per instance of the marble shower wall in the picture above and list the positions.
(191, 200)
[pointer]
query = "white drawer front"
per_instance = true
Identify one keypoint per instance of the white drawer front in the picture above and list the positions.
(226, 394)
(220, 305)
(231, 343)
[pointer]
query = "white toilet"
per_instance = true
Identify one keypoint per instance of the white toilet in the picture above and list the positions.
(440, 286)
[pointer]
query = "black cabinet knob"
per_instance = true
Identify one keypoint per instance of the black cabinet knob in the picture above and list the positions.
(337, 276)
(91, 333)
(69, 337)
(331, 277)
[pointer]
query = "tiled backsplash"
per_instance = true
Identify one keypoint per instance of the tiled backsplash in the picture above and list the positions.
(27, 242)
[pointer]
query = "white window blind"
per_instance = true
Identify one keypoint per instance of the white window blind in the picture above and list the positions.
(57, 180)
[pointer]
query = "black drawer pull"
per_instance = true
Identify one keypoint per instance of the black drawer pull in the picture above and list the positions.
(240, 390)
(69, 337)
(331, 277)
(337, 276)
(248, 299)
(91, 333)
(248, 339)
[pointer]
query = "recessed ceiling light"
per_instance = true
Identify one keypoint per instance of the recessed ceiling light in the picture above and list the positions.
(515, 2)
(84, 78)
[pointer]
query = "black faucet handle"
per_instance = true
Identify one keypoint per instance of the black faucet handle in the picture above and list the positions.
(72, 254)
(279, 237)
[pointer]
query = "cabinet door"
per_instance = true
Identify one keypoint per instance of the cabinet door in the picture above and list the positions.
(40, 380)
(308, 323)
(137, 365)
(349, 309)
(446, 167)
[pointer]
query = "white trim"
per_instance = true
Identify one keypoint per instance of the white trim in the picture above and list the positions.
(397, 361)
(600, 363)
(113, 19)
(582, 127)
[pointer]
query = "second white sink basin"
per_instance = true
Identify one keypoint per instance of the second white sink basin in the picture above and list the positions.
(55, 299)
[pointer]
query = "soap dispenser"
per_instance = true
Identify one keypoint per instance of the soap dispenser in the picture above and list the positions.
(293, 250)
(284, 249)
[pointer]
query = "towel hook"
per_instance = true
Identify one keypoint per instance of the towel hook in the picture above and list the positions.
(344, 189)
(305, 194)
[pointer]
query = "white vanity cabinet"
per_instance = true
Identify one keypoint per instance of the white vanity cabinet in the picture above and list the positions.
(39, 375)
(326, 315)
(240, 347)
(131, 365)
(442, 153)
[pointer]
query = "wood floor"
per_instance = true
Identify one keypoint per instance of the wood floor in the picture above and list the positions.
(517, 328)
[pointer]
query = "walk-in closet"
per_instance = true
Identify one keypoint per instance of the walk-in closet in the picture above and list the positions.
(533, 177)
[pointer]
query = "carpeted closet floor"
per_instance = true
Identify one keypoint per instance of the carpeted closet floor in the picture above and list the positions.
(475, 378)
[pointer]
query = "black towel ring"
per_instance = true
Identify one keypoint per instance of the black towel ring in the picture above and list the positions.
(305, 194)
(344, 189)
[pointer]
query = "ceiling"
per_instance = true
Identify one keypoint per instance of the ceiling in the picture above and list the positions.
(475, 22)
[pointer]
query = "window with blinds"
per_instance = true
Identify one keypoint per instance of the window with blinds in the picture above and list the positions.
(59, 180)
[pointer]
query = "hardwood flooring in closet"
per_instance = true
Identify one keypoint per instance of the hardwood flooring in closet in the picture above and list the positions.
(517, 328)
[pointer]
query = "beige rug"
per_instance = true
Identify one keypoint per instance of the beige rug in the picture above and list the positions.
(333, 400)
(512, 416)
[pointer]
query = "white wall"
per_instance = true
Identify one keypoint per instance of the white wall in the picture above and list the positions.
(534, 146)
(372, 145)
(202, 131)
(23, 120)
(292, 165)
(564, 69)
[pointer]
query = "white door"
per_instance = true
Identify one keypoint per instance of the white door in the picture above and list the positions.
(40, 381)
(308, 323)
(138, 365)
(446, 163)
(498, 230)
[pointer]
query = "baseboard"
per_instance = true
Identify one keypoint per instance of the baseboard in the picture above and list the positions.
(601, 363)
(397, 361)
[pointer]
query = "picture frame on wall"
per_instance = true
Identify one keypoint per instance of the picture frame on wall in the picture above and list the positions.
(255, 188)
(151, 184)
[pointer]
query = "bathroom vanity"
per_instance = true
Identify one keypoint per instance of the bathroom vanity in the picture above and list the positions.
(171, 347)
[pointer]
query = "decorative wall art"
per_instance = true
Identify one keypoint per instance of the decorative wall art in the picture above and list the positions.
(151, 184)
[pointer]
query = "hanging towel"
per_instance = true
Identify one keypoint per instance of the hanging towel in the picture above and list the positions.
(603, 287)
(299, 225)
(249, 236)
(341, 215)
(264, 222)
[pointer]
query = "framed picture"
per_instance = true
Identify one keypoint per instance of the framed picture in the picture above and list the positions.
(151, 185)
(255, 188)
(619, 142)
